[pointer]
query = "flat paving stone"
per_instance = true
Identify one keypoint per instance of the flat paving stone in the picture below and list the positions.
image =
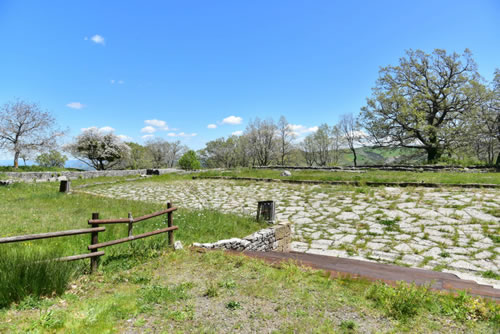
(446, 221)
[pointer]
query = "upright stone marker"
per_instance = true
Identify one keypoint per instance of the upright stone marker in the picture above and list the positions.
(64, 186)
(266, 211)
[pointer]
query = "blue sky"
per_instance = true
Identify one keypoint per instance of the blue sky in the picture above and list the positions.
(189, 64)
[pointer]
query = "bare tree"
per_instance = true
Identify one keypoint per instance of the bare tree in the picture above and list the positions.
(165, 153)
(308, 149)
(285, 138)
(97, 149)
(350, 129)
(262, 139)
(174, 152)
(25, 128)
(337, 141)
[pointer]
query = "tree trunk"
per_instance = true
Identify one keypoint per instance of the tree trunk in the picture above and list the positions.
(16, 160)
(433, 154)
(355, 157)
(497, 164)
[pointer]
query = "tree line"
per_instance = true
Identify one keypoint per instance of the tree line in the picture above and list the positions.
(436, 102)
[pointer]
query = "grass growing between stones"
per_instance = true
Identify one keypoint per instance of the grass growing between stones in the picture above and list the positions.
(215, 292)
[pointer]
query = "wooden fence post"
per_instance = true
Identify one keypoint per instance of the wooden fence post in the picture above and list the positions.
(130, 224)
(170, 224)
(94, 239)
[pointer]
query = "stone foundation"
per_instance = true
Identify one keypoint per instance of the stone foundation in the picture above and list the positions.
(275, 238)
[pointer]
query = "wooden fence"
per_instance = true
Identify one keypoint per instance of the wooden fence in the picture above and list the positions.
(96, 229)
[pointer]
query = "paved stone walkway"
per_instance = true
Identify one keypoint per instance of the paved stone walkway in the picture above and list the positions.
(456, 230)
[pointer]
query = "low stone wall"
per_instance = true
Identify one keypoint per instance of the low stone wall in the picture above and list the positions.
(275, 238)
(53, 176)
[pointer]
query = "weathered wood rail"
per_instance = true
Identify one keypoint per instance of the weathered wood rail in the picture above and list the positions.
(96, 229)
(95, 222)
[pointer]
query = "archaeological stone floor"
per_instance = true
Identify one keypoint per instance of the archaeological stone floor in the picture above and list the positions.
(448, 229)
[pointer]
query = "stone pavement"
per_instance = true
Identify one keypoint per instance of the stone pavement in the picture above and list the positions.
(449, 229)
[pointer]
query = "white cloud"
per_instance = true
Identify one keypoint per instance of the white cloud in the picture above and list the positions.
(75, 105)
(147, 136)
(233, 120)
(121, 82)
(181, 134)
(103, 129)
(237, 133)
(98, 39)
(124, 138)
(112, 81)
(211, 126)
(148, 129)
(156, 122)
(106, 129)
(298, 129)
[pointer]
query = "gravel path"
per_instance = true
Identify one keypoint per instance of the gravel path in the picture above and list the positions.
(455, 230)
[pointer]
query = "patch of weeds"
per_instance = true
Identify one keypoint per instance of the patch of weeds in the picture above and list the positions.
(348, 326)
(157, 294)
(440, 267)
(402, 302)
(390, 225)
(426, 236)
(49, 320)
(426, 260)
(211, 291)
(227, 284)
(233, 305)
(494, 212)
(490, 274)
(495, 238)
(444, 254)
(186, 314)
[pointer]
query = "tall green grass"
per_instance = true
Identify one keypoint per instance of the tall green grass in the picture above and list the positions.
(27, 271)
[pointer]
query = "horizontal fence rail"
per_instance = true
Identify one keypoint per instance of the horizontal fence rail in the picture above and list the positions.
(131, 220)
(96, 229)
(50, 235)
(131, 238)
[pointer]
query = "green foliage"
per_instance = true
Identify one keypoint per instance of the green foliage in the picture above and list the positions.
(491, 274)
(401, 302)
(408, 300)
(189, 161)
(25, 271)
(52, 158)
(158, 294)
(233, 305)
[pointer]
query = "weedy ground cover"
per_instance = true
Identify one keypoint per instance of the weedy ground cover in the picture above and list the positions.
(213, 292)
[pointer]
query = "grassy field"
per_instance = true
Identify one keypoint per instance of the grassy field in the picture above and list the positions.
(190, 292)
(37, 208)
(368, 176)
(144, 287)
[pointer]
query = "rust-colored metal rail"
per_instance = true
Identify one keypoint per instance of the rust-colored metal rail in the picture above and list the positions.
(129, 220)
(28, 237)
(131, 238)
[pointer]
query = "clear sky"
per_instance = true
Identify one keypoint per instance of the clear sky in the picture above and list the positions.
(130, 65)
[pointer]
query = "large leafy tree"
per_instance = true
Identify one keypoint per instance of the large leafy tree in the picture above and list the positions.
(25, 128)
(98, 149)
(420, 102)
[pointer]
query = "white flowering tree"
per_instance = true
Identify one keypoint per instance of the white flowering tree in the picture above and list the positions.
(98, 149)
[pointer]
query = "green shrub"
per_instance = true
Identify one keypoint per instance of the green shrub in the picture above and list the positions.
(400, 302)
(31, 273)
(189, 161)
(51, 159)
